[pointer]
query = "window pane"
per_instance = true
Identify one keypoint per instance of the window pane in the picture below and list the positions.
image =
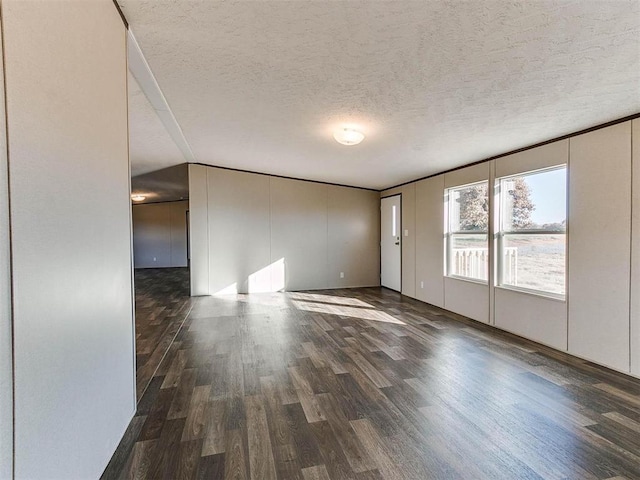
(534, 261)
(393, 220)
(469, 256)
(535, 201)
(469, 208)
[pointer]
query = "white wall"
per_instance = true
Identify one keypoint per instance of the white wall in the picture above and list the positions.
(353, 237)
(594, 322)
(268, 233)
(423, 248)
(239, 231)
(71, 222)
(6, 361)
(160, 234)
(467, 298)
(198, 230)
(430, 241)
(600, 245)
(299, 225)
(533, 316)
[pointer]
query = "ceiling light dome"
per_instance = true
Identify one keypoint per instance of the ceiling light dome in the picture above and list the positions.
(137, 198)
(348, 136)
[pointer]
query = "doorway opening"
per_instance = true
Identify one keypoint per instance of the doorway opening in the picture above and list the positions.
(161, 270)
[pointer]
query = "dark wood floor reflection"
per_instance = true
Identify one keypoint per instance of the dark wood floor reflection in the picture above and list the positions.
(162, 304)
(366, 384)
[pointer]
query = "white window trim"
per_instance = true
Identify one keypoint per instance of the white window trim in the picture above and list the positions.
(449, 233)
(500, 234)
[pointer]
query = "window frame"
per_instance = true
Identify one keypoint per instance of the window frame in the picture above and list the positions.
(450, 234)
(501, 233)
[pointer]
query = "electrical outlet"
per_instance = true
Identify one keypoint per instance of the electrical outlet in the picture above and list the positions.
(406, 233)
(341, 274)
(154, 259)
(421, 284)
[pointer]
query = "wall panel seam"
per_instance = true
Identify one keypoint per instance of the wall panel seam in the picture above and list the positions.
(271, 235)
(208, 220)
(567, 291)
(631, 255)
(10, 241)
(328, 269)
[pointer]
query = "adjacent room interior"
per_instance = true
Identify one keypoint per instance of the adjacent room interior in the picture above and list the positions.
(320, 240)
(160, 230)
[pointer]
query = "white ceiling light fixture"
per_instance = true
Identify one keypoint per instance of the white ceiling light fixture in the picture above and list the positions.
(348, 136)
(137, 198)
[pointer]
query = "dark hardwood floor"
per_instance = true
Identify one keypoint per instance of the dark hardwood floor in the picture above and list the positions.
(366, 384)
(162, 304)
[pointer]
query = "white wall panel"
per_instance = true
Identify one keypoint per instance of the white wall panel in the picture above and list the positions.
(66, 72)
(6, 360)
(535, 317)
(353, 237)
(178, 220)
(532, 316)
(151, 236)
(470, 299)
(160, 235)
(239, 231)
(198, 230)
(635, 253)
(550, 155)
(599, 245)
(269, 233)
(600, 256)
(464, 176)
(408, 238)
(299, 229)
(460, 296)
(430, 240)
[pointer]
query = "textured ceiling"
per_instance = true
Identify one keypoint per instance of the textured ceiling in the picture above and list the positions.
(260, 85)
(150, 146)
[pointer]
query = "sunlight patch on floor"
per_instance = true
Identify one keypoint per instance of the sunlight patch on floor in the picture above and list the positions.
(316, 297)
(354, 312)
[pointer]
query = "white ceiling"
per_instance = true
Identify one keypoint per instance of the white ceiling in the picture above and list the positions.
(260, 85)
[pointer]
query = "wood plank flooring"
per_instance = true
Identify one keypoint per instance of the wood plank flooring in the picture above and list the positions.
(366, 384)
(162, 304)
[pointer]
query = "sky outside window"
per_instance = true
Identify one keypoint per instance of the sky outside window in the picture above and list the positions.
(549, 195)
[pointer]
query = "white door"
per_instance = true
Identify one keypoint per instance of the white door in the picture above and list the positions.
(390, 248)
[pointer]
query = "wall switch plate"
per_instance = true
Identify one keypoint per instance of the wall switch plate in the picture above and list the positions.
(421, 284)
(341, 274)
(154, 259)
(406, 233)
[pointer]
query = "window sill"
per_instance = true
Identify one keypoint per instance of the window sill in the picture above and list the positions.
(535, 293)
(468, 279)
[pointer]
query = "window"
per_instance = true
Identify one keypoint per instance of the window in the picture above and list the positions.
(468, 221)
(532, 236)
